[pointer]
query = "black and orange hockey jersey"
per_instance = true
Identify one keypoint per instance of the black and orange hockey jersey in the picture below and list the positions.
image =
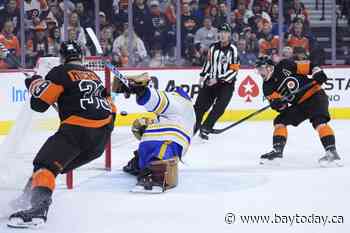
(287, 77)
(79, 94)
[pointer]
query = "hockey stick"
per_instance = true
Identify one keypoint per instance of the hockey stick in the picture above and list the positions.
(99, 51)
(218, 131)
(94, 40)
(117, 74)
(15, 61)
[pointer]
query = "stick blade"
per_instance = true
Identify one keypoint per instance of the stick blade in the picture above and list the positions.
(94, 39)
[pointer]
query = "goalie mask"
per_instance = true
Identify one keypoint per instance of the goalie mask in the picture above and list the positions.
(70, 51)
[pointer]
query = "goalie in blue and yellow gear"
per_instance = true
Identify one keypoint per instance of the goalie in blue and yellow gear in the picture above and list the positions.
(163, 139)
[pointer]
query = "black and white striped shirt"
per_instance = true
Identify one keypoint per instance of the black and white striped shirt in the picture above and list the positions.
(222, 63)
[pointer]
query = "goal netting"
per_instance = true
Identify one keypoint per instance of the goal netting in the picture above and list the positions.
(31, 129)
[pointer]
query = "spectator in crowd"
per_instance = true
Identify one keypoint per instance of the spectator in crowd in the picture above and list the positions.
(85, 18)
(72, 34)
(50, 23)
(238, 24)
(214, 14)
(11, 11)
(245, 57)
(120, 16)
(257, 16)
(55, 13)
(298, 10)
(297, 38)
(138, 50)
(122, 59)
(157, 59)
(142, 21)
(74, 23)
(223, 13)
(205, 36)
(274, 13)
(196, 11)
(36, 11)
(243, 12)
(300, 54)
(55, 34)
(169, 12)
(10, 43)
(188, 28)
(159, 27)
(210, 4)
(103, 20)
(106, 41)
(287, 52)
(39, 46)
(268, 43)
(252, 43)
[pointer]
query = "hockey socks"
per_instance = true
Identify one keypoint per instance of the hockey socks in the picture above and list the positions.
(279, 138)
(327, 136)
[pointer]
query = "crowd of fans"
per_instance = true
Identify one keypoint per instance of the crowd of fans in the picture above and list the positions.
(254, 29)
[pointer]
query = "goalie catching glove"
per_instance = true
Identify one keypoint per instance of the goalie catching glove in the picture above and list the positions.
(137, 84)
(139, 126)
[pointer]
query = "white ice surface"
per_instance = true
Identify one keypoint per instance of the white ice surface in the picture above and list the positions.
(217, 177)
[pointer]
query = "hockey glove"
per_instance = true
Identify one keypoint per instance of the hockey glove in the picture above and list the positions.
(319, 76)
(29, 81)
(278, 104)
(139, 126)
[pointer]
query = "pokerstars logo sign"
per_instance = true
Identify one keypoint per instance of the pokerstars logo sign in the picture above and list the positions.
(248, 89)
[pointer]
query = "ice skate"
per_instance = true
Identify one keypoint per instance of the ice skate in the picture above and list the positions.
(331, 159)
(272, 157)
(30, 218)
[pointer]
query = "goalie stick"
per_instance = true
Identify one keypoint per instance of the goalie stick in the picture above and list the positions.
(219, 131)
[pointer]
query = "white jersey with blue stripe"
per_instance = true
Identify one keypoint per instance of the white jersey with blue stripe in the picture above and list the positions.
(175, 114)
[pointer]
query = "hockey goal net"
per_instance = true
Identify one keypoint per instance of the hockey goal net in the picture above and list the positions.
(30, 130)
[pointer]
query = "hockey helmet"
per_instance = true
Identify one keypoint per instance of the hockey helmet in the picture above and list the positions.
(70, 50)
(263, 61)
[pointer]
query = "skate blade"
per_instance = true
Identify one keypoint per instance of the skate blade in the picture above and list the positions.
(275, 162)
(326, 164)
(19, 223)
(141, 189)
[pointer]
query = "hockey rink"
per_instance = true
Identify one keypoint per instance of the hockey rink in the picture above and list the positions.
(221, 177)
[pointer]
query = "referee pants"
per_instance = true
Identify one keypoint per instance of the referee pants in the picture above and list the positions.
(218, 97)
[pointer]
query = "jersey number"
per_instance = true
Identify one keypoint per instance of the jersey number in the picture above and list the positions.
(92, 95)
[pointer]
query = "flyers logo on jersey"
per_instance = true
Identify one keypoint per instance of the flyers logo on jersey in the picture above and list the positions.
(248, 89)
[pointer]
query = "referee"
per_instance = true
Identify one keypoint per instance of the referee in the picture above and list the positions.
(217, 81)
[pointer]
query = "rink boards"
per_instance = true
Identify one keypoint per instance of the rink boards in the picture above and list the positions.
(247, 96)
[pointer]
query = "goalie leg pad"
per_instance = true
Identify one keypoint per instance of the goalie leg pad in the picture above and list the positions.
(165, 172)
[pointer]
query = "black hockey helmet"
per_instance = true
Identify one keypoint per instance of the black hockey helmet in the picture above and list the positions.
(263, 60)
(225, 28)
(70, 50)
